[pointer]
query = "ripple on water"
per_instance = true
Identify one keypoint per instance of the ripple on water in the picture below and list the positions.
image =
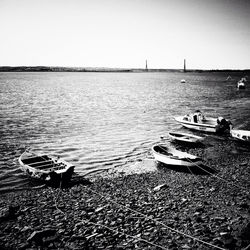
(105, 120)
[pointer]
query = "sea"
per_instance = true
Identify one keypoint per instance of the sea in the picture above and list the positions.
(108, 120)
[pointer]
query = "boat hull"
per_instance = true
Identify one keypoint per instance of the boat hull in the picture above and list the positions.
(242, 135)
(205, 127)
(241, 87)
(183, 137)
(184, 159)
(54, 171)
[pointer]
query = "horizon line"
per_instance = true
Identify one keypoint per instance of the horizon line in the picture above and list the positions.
(120, 68)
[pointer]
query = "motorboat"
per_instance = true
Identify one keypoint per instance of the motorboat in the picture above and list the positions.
(197, 121)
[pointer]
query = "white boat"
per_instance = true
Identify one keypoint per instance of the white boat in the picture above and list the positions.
(242, 135)
(208, 125)
(183, 137)
(170, 156)
(241, 83)
(198, 121)
(183, 80)
(45, 168)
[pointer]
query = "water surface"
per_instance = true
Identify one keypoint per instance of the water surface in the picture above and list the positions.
(104, 120)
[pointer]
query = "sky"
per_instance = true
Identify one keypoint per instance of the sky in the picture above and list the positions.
(209, 34)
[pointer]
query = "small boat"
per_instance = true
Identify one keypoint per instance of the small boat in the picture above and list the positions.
(242, 135)
(170, 156)
(197, 121)
(241, 83)
(183, 137)
(46, 168)
(183, 80)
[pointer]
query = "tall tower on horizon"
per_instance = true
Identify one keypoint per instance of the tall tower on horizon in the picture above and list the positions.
(184, 70)
(146, 66)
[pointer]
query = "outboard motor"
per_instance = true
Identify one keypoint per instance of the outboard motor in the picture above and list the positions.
(223, 126)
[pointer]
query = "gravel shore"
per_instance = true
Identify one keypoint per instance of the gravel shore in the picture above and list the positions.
(169, 208)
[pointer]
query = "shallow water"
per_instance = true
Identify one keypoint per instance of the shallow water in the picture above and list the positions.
(104, 120)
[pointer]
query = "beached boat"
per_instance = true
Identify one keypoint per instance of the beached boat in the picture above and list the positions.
(197, 121)
(45, 168)
(241, 83)
(242, 135)
(170, 156)
(183, 137)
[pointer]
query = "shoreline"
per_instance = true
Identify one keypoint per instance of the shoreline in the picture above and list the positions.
(165, 209)
(113, 70)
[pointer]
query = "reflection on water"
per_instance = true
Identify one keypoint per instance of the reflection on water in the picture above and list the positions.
(104, 120)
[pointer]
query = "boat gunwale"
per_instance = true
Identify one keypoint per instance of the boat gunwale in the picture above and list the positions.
(180, 120)
(188, 156)
(185, 136)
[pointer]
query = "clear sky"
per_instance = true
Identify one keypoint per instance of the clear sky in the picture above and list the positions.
(210, 34)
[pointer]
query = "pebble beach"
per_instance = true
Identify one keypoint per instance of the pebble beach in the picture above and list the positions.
(203, 208)
(125, 125)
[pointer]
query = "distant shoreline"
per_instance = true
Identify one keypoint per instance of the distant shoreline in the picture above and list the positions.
(102, 69)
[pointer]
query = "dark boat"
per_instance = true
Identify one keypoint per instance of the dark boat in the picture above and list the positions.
(46, 168)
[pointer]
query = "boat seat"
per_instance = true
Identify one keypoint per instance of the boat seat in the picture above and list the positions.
(58, 167)
(54, 168)
(51, 166)
(45, 166)
(163, 150)
(37, 164)
(35, 159)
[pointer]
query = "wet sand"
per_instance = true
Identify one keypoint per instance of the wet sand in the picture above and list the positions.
(169, 208)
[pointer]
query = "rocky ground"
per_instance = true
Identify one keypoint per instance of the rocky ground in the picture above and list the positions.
(170, 208)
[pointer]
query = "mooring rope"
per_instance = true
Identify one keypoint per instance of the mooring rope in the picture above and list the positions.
(143, 215)
(155, 220)
(218, 177)
(228, 182)
(131, 236)
(111, 229)
(194, 175)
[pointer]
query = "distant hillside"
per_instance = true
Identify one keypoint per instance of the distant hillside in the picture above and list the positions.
(58, 69)
(78, 69)
(102, 69)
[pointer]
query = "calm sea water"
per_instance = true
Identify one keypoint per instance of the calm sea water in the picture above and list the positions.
(104, 120)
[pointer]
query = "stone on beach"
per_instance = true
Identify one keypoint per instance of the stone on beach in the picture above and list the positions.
(126, 212)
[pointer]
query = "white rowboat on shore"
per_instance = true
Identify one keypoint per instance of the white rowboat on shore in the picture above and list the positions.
(242, 135)
(184, 137)
(241, 83)
(170, 156)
